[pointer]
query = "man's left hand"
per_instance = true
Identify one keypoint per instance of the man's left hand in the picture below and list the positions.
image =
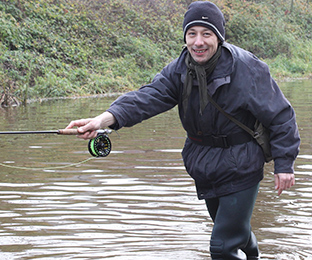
(284, 181)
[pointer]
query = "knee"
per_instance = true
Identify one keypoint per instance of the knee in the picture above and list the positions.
(216, 249)
(225, 250)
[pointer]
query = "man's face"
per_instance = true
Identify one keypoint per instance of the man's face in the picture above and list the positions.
(201, 43)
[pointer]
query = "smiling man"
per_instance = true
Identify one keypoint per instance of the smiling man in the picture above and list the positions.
(202, 44)
(225, 162)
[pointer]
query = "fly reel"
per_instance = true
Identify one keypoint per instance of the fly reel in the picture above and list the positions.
(100, 146)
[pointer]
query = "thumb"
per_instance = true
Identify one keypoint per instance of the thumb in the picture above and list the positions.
(276, 180)
(81, 130)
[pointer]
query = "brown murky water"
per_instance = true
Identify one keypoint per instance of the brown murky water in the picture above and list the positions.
(137, 203)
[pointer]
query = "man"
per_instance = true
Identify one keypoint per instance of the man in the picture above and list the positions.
(225, 162)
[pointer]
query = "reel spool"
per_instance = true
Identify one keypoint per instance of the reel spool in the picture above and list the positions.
(100, 146)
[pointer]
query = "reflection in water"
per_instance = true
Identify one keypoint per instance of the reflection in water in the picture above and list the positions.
(137, 203)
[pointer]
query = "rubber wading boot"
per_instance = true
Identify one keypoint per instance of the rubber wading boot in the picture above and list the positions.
(251, 249)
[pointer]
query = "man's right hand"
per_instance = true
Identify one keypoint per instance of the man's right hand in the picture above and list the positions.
(87, 128)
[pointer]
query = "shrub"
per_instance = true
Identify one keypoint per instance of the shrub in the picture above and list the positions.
(52, 48)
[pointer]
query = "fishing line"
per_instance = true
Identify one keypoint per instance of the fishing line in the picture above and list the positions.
(46, 168)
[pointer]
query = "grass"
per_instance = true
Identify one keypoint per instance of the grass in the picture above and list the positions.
(61, 48)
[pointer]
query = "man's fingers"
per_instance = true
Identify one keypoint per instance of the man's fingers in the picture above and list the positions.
(78, 123)
(87, 135)
(284, 181)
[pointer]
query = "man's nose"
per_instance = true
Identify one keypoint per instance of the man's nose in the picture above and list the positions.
(199, 40)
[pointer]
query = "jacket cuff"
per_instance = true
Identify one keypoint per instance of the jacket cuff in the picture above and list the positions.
(116, 126)
(282, 165)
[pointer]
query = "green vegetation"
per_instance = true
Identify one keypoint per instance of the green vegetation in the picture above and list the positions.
(54, 48)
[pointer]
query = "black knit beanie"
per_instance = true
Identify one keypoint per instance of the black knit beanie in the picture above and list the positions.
(207, 14)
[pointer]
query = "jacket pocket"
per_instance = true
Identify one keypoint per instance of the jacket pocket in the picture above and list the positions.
(248, 156)
(207, 165)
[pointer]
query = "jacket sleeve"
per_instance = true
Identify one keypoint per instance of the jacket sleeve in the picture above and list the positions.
(268, 104)
(152, 99)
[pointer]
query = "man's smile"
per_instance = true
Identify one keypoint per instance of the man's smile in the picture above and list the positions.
(199, 51)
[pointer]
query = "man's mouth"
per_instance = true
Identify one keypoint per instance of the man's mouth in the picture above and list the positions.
(199, 51)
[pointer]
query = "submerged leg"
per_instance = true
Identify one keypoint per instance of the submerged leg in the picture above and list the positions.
(231, 236)
(251, 249)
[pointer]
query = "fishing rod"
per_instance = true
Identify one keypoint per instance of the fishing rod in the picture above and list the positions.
(100, 146)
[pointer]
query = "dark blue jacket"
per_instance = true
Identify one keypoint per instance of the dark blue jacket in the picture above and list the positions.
(242, 85)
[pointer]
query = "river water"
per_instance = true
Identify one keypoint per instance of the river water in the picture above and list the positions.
(137, 203)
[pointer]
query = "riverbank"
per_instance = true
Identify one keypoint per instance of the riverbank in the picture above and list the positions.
(52, 49)
(117, 94)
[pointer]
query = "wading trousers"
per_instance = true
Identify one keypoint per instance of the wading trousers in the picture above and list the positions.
(231, 236)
